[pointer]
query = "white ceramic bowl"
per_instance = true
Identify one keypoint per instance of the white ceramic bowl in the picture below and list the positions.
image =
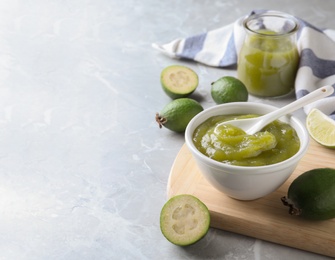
(244, 182)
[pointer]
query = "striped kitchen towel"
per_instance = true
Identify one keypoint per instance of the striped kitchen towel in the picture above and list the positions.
(219, 48)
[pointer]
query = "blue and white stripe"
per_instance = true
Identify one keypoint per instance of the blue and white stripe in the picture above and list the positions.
(220, 47)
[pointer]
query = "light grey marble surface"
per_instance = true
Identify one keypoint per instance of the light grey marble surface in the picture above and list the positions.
(83, 165)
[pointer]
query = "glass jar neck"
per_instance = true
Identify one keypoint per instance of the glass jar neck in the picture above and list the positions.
(272, 24)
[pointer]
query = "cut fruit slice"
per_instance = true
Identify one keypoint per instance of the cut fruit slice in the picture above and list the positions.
(179, 81)
(184, 220)
(321, 128)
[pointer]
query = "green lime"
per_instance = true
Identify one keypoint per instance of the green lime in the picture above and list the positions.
(184, 220)
(178, 81)
(321, 128)
(178, 113)
(228, 89)
(312, 195)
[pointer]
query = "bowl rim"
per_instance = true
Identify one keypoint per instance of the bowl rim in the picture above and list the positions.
(236, 169)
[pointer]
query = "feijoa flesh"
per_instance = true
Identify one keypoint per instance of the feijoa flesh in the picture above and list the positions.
(312, 195)
(184, 220)
(176, 115)
(178, 81)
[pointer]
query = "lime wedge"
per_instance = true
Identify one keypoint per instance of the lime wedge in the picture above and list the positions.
(184, 220)
(321, 128)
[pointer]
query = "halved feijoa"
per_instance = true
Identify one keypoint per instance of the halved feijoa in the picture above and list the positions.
(178, 113)
(312, 195)
(178, 81)
(184, 220)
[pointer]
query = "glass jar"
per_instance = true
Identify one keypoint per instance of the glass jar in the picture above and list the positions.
(268, 60)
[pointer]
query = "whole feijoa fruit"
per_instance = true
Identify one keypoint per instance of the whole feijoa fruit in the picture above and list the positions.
(176, 115)
(312, 195)
(229, 89)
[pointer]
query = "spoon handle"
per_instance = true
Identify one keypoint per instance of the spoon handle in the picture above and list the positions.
(309, 98)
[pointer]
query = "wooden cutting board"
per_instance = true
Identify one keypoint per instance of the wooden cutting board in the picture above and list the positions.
(266, 218)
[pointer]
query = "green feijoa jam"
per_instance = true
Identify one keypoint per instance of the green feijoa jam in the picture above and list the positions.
(312, 195)
(225, 143)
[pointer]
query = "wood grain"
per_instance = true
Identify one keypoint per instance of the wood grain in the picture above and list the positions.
(266, 218)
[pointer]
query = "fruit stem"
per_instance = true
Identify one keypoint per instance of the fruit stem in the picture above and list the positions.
(160, 120)
(293, 210)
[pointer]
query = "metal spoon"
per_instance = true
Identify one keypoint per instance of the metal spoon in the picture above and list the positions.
(253, 125)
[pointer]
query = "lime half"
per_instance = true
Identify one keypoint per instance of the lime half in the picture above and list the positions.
(184, 220)
(321, 128)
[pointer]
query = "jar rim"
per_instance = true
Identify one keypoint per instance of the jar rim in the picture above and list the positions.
(289, 17)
